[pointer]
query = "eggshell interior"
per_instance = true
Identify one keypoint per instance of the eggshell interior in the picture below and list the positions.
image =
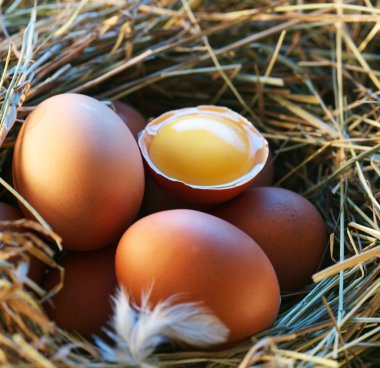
(198, 194)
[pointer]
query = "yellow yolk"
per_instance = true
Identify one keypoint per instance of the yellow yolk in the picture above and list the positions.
(202, 150)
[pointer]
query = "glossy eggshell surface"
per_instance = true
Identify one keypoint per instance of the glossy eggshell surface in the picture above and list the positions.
(78, 164)
(286, 226)
(134, 120)
(205, 194)
(84, 303)
(203, 259)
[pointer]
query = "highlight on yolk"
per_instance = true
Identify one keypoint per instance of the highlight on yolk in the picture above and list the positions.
(202, 149)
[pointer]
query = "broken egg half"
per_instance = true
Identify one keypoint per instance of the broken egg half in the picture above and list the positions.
(204, 154)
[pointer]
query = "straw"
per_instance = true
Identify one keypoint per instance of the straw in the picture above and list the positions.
(306, 73)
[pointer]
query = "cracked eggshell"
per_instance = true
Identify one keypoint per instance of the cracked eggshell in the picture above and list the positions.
(156, 199)
(265, 177)
(202, 194)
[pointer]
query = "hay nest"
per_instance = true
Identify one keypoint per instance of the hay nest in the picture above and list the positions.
(307, 73)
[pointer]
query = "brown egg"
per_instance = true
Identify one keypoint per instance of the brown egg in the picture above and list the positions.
(84, 303)
(286, 226)
(78, 164)
(203, 259)
(36, 267)
(203, 155)
(134, 120)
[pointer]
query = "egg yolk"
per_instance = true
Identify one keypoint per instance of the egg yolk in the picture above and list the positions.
(202, 150)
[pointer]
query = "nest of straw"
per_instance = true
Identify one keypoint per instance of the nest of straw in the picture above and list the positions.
(307, 73)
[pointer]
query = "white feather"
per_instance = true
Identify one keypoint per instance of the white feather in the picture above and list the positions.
(140, 330)
(124, 317)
